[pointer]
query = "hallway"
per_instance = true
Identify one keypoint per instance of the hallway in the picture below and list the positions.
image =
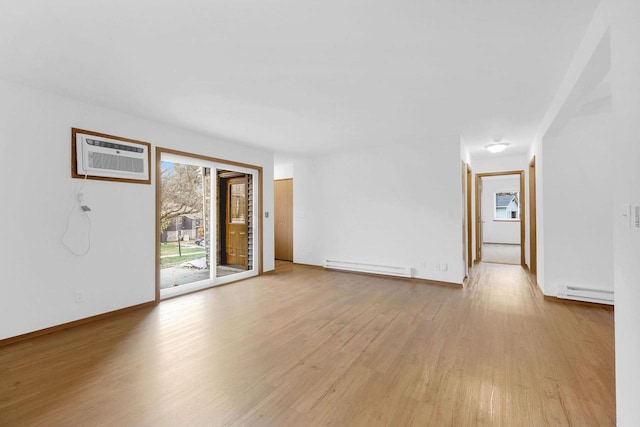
(501, 253)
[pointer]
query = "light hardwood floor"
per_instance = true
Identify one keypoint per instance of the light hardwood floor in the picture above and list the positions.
(308, 347)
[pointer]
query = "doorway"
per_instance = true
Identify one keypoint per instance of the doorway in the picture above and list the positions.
(208, 222)
(500, 217)
(233, 228)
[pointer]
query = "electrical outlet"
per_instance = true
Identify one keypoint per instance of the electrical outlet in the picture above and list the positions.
(444, 267)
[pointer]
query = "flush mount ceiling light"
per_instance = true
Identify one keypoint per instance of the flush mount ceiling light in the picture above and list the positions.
(496, 147)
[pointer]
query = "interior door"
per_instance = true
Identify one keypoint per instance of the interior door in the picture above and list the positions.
(469, 219)
(533, 263)
(283, 219)
(463, 181)
(479, 222)
(236, 222)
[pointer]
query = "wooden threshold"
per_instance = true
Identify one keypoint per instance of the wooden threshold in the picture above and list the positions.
(210, 287)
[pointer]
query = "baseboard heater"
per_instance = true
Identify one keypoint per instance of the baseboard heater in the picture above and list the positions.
(581, 293)
(389, 270)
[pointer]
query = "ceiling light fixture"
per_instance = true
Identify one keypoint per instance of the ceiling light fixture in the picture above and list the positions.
(496, 147)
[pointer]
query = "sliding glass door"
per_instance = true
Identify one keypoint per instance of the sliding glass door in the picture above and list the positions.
(208, 223)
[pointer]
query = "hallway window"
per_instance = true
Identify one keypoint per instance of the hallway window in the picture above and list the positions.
(507, 206)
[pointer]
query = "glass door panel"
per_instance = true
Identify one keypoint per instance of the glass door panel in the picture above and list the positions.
(184, 224)
(208, 223)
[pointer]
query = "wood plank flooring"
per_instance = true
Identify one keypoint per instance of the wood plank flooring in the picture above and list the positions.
(306, 347)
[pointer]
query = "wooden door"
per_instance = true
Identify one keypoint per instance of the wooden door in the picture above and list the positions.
(469, 218)
(478, 218)
(463, 182)
(283, 218)
(236, 222)
(533, 255)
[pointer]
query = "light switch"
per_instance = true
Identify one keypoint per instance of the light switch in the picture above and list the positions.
(637, 216)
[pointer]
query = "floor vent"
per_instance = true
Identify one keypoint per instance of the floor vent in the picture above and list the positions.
(360, 267)
(580, 293)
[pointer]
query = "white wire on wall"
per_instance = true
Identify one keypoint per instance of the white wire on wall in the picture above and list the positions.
(78, 200)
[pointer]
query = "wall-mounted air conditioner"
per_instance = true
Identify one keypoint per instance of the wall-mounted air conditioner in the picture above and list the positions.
(105, 157)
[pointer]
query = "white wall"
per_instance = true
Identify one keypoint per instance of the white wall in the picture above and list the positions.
(282, 169)
(625, 146)
(578, 181)
(588, 67)
(39, 276)
(621, 17)
(396, 206)
(536, 151)
(500, 163)
(498, 231)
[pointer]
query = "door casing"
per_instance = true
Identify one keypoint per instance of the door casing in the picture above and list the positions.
(478, 216)
(236, 231)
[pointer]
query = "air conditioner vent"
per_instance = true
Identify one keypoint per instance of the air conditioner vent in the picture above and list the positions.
(118, 163)
(111, 157)
(106, 144)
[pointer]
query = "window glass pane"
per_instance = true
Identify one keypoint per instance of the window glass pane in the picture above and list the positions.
(507, 205)
(185, 212)
(238, 203)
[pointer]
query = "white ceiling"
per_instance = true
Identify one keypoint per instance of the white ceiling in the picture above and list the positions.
(299, 76)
